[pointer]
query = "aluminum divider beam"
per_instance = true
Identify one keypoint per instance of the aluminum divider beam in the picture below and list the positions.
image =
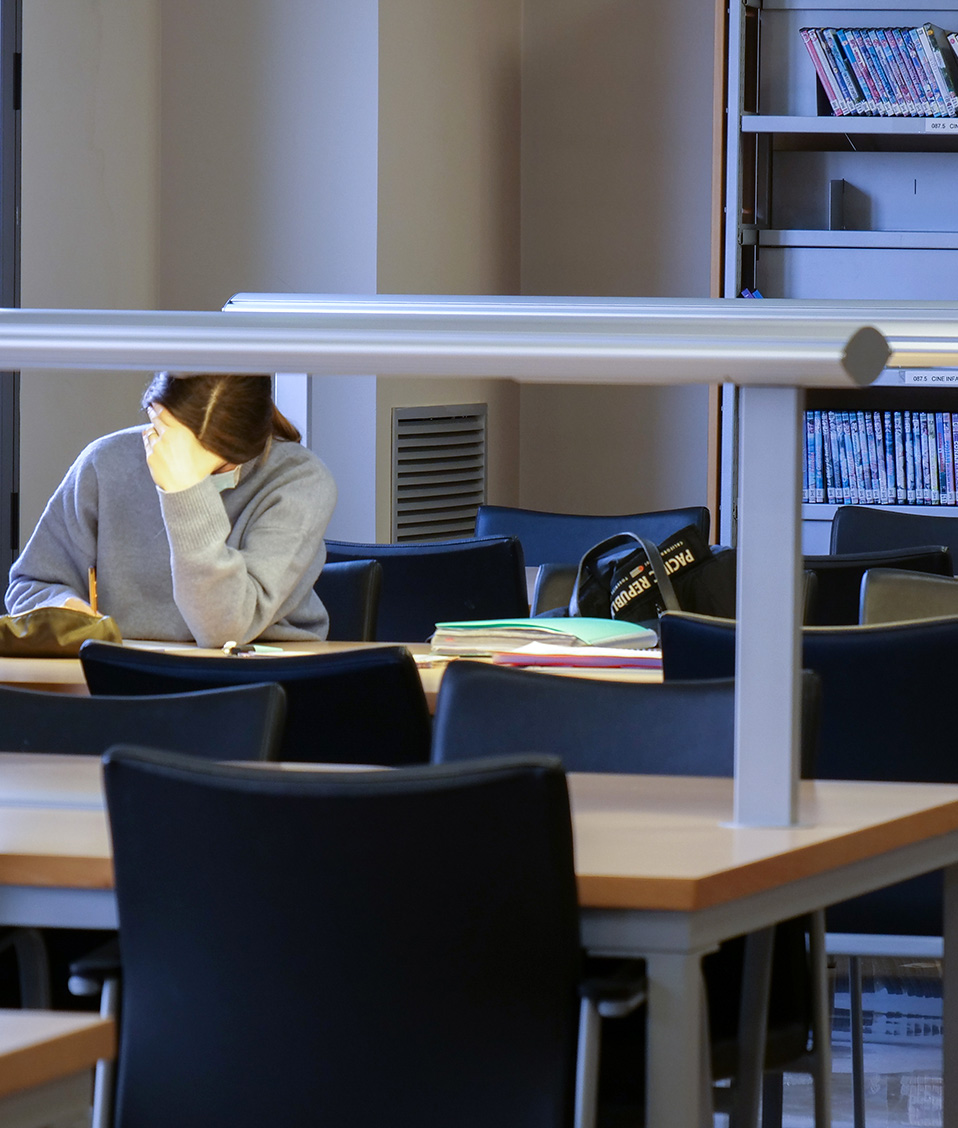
(768, 348)
(551, 341)
(768, 644)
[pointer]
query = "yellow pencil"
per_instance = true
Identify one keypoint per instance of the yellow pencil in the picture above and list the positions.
(92, 577)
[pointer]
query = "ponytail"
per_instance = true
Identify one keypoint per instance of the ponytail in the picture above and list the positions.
(283, 429)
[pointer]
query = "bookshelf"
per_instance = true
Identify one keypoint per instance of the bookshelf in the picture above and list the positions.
(821, 206)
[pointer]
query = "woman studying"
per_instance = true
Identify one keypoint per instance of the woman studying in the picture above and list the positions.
(205, 525)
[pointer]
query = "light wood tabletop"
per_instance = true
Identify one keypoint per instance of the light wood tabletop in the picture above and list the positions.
(642, 842)
(38, 1047)
(667, 842)
(65, 675)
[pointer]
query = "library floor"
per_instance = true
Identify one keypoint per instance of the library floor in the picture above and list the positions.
(902, 1009)
(902, 1087)
(902, 1005)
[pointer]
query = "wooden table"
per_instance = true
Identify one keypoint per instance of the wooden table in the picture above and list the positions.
(661, 874)
(46, 1064)
(65, 675)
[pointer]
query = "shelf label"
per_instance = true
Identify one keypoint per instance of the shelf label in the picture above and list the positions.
(927, 377)
(941, 125)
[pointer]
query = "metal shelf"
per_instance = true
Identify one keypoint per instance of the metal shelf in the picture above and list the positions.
(909, 240)
(896, 126)
(825, 511)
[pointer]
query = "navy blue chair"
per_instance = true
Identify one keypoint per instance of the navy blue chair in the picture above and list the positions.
(860, 528)
(438, 581)
(429, 932)
(563, 538)
(886, 690)
(237, 723)
(363, 706)
(839, 578)
(886, 715)
(672, 729)
(242, 722)
(350, 591)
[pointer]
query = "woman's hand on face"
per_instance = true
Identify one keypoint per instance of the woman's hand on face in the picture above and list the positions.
(175, 456)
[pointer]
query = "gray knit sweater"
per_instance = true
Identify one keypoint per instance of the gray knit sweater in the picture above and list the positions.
(192, 565)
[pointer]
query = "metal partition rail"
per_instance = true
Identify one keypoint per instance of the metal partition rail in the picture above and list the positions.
(770, 349)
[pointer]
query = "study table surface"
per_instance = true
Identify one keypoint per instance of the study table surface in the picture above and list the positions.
(661, 874)
(65, 675)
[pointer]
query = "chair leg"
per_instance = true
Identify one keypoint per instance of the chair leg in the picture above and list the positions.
(752, 1028)
(821, 1063)
(104, 1078)
(706, 1080)
(773, 1100)
(587, 1065)
(33, 966)
(858, 1041)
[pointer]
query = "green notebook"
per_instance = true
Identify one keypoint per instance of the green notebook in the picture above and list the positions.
(487, 636)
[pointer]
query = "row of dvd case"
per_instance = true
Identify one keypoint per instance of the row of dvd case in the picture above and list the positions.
(886, 71)
(880, 457)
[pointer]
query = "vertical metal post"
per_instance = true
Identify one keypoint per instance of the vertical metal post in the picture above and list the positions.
(768, 651)
(949, 1085)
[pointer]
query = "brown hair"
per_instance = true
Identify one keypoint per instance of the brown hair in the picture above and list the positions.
(232, 414)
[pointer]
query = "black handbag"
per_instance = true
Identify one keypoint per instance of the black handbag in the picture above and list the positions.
(629, 577)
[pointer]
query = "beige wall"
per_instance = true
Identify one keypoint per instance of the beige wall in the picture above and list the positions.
(176, 152)
(449, 121)
(449, 150)
(616, 200)
(268, 171)
(89, 130)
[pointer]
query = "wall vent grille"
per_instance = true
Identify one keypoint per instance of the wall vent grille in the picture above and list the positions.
(438, 470)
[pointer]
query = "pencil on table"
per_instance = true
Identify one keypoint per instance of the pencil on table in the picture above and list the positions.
(92, 577)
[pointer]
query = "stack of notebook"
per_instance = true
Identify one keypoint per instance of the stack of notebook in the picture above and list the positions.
(496, 636)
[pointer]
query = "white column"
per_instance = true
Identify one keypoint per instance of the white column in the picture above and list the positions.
(291, 394)
(768, 651)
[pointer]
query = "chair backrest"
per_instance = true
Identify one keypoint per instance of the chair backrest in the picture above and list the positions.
(839, 578)
(860, 528)
(892, 595)
(347, 948)
(350, 591)
(553, 588)
(362, 706)
(886, 690)
(655, 729)
(676, 728)
(243, 722)
(563, 538)
(886, 715)
(438, 581)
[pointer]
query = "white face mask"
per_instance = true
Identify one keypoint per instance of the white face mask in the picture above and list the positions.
(226, 479)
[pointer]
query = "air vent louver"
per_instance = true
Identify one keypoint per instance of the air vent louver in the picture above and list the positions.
(438, 470)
